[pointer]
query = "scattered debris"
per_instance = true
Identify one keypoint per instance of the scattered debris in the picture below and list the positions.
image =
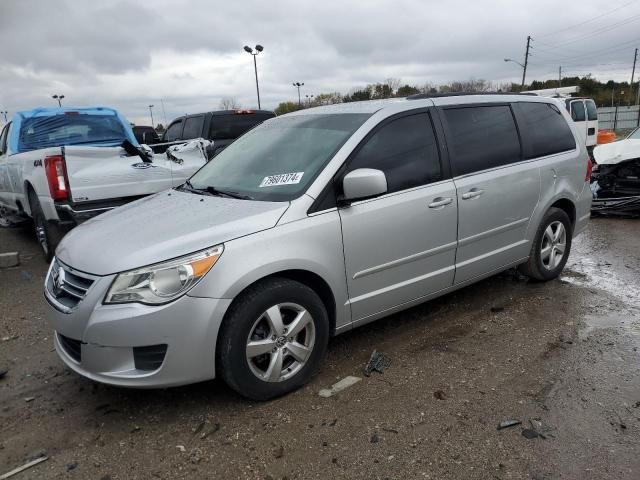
(391, 430)
(497, 309)
(135, 429)
(3, 372)
(181, 448)
(72, 466)
(377, 363)
(278, 452)
(508, 423)
(211, 431)
(25, 276)
(529, 433)
(343, 384)
(9, 259)
(439, 394)
(374, 438)
(24, 467)
(29, 399)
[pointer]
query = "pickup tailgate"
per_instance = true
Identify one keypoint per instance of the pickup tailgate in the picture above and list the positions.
(101, 173)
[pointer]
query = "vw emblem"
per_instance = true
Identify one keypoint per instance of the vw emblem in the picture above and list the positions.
(58, 281)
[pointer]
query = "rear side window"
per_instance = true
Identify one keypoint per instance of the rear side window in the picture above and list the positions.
(174, 131)
(577, 111)
(544, 130)
(193, 127)
(230, 127)
(405, 149)
(592, 111)
(481, 137)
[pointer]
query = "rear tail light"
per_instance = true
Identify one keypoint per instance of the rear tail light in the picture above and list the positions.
(587, 177)
(244, 111)
(56, 170)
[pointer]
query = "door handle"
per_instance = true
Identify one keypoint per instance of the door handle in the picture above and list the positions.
(440, 202)
(473, 193)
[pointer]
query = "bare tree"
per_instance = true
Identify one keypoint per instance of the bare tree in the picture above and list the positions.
(229, 103)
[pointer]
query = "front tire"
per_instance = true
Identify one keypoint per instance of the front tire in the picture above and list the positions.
(273, 340)
(551, 246)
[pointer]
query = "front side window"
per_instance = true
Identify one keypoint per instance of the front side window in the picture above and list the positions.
(279, 159)
(193, 127)
(577, 111)
(231, 126)
(174, 131)
(481, 137)
(405, 149)
(592, 111)
(544, 129)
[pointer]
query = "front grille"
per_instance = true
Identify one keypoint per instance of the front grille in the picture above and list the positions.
(149, 358)
(71, 347)
(65, 286)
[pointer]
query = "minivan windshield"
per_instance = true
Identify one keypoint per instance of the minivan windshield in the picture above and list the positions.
(277, 160)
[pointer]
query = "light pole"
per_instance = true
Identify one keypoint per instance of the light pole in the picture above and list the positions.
(258, 48)
(4, 112)
(522, 65)
(309, 99)
(298, 85)
(151, 113)
(59, 99)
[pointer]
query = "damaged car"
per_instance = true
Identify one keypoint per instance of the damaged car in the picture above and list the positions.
(615, 181)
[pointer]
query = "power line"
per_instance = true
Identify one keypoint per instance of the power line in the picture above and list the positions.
(600, 31)
(587, 21)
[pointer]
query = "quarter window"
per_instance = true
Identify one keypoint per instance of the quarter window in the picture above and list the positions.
(405, 150)
(174, 131)
(193, 127)
(544, 129)
(481, 138)
(577, 111)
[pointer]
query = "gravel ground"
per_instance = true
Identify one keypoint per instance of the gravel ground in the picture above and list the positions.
(561, 357)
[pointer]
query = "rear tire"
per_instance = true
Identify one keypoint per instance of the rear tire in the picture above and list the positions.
(551, 246)
(47, 235)
(273, 339)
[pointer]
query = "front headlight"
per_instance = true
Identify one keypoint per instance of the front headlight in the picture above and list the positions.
(163, 282)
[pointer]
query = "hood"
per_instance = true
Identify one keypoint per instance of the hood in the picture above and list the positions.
(616, 152)
(160, 227)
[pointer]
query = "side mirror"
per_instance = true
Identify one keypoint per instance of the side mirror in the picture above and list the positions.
(364, 183)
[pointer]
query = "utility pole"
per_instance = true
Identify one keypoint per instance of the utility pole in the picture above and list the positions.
(526, 61)
(151, 113)
(560, 76)
(633, 73)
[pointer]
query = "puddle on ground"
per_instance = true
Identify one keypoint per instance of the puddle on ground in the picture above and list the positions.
(627, 321)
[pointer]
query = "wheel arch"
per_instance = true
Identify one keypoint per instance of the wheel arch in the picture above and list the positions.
(568, 207)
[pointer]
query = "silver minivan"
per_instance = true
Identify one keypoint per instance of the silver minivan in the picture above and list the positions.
(312, 224)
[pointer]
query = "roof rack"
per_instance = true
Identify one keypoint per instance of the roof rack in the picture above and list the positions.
(420, 96)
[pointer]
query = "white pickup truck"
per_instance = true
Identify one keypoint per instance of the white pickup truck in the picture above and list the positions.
(61, 166)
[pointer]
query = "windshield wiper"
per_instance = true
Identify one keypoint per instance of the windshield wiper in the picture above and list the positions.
(188, 186)
(227, 193)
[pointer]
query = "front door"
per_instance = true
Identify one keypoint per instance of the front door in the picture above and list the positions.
(400, 246)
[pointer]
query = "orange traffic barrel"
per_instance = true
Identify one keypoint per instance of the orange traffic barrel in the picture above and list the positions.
(606, 136)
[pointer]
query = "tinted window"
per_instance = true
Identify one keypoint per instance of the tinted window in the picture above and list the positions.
(229, 127)
(405, 150)
(174, 131)
(577, 111)
(279, 159)
(592, 111)
(544, 130)
(193, 127)
(481, 138)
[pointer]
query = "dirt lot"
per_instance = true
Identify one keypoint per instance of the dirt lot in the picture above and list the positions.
(561, 357)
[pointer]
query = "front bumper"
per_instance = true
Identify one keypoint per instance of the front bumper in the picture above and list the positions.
(100, 342)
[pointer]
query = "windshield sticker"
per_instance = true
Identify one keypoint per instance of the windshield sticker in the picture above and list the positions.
(282, 179)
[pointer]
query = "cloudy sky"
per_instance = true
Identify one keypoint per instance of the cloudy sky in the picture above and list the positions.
(187, 55)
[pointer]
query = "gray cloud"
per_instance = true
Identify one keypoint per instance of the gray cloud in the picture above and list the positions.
(130, 54)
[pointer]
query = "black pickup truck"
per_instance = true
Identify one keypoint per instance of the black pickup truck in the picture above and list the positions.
(222, 127)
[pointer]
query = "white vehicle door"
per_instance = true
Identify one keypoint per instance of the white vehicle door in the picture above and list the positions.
(100, 173)
(579, 116)
(592, 123)
(5, 181)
